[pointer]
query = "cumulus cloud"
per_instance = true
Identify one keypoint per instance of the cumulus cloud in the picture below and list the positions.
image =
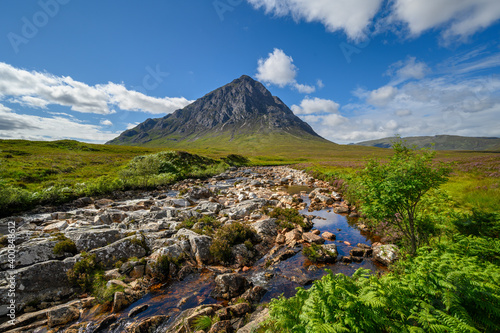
(278, 69)
(37, 90)
(106, 122)
(315, 106)
(457, 18)
(460, 18)
(351, 16)
(406, 70)
(29, 127)
(382, 96)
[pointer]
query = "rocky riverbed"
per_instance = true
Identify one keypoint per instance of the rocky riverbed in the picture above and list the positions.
(165, 257)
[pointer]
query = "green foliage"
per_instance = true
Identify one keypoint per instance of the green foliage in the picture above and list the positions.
(441, 290)
(84, 271)
(141, 241)
(65, 245)
(479, 223)
(393, 192)
(287, 217)
(228, 236)
(101, 291)
(311, 252)
(202, 323)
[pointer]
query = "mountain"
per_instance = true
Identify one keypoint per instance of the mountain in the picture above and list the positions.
(441, 142)
(242, 114)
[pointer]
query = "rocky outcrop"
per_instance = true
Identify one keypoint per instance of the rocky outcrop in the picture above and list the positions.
(230, 285)
(385, 254)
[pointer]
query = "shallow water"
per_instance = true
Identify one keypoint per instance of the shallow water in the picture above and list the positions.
(283, 278)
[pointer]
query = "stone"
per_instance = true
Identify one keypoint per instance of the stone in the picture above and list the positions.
(385, 254)
(265, 228)
(256, 319)
(120, 250)
(341, 210)
(357, 252)
(316, 232)
(230, 285)
(221, 326)
(138, 309)
(241, 254)
(118, 283)
(293, 235)
(200, 245)
(209, 207)
(328, 236)
(62, 315)
(137, 272)
(254, 295)
(324, 199)
(280, 239)
(147, 325)
(120, 301)
(57, 226)
(312, 238)
(89, 239)
(29, 253)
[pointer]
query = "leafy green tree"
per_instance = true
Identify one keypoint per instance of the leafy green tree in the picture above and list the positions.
(392, 192)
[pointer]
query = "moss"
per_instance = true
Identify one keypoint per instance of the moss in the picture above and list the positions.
(287, 217)
(83, 272)
(64, 245)
(228, 236)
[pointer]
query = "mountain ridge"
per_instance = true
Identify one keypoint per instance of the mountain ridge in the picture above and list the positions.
(440, 142)
(239, 109)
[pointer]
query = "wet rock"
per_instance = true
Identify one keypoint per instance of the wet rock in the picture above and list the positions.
(280, 239)
(324, 199)
(105, 323)
(137, 310)
(242, 255)
(316, 232)
(254, 295)
(62, 315)
(341, 210)
(221, 326)
(121, 301)
(346, 259)
(328, 236)
(147, 325)
(230, 285)
(312, 238)
(357, 252)
(256, 319)
(385, 254)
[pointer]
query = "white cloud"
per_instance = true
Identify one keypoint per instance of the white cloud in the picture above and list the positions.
(459, 18)
(28, 127)
(382, 96)
(278, 69)
(132, 125)
(304, 88)
(106, 122)
(351, 16)
(3, 108)
(320, 84)
(36, 89)
(315, 106)
(403, 113)
(407, 70)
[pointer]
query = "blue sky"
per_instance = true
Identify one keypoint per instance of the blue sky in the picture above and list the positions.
(353, 69)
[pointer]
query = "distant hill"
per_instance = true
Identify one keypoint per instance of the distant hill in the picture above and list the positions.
(242, 115)
(441, 142)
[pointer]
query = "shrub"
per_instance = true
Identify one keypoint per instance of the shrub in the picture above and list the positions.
(228, 236)
(287, 217)
(65, 246)
(83, 272)
(479, 223)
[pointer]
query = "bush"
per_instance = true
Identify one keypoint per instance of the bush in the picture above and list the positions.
(83, 272)
(228, 236)
(288, 217)
(441, 290)
(479, 223)
(65, 246)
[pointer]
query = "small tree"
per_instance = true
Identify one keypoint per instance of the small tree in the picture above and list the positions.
(393, 191)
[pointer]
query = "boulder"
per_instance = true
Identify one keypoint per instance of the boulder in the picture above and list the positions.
(209, 207)
(29, 253)
(147, 325)
(324, 199)
(244, 208)
(89, 239)
(221, 326)
(57, 226)
(385, 254)
(230, 285)
(200, 245)
(294, 235)
(265, 228)
(120, 250)
(328, 236)
(312, 238)
(255, 294)
(62, 315)
(341, 210)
